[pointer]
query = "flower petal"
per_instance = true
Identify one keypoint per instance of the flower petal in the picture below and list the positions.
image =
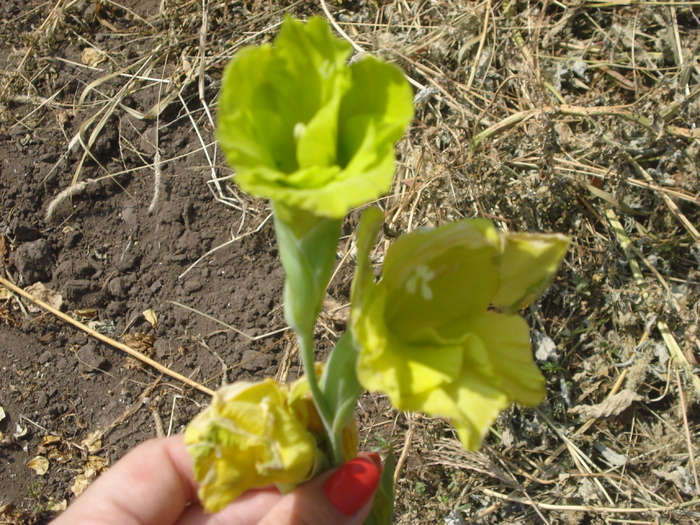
(471, 401)
(248, 438)
(386, 364)
(435, 276)
(268, 91)
(528, 265)
(301, 127)
(379, 97)
(507, 342)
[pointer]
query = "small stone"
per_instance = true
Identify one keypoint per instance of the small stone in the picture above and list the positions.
(33, 261)
(192, 286)
(129, 217)
(189, 243)
(127, 262)
(149, 139)
(24, 232)
(247, 360)
(89, 358)
(114, 309)
(83, 269)
(169, 212)
(73, 238)
(45, 357)
(118, 287)
(252, 360)
(162, 348)
(64, 270)
(41, 398)
(77, 288)
(48, 158)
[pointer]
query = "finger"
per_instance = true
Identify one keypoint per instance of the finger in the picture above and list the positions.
(340, 497)
(247, 509)
(151, 485)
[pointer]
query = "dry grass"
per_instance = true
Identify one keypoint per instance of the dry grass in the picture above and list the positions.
(574, 117)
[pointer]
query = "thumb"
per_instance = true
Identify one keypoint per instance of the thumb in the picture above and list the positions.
(340, 497)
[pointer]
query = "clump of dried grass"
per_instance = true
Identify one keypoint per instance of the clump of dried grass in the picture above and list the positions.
(574, 117)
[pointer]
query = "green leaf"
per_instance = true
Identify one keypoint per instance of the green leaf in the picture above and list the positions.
(382, 512)
(367, 231)
(339, 382)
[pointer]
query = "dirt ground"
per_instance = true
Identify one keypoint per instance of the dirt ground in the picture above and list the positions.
(115, 202)
(111, 260)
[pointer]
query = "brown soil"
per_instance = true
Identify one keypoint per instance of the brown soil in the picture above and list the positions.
(111, 260)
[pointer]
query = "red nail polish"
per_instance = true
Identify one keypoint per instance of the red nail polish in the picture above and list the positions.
(376, 459)
(352, 485)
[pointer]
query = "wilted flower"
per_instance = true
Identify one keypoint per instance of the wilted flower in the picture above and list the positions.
(248, 438)
(304, 129)
(253, 435)
(427, 336)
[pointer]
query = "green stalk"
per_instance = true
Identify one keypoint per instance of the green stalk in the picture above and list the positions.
(307, 245)
(308, 363)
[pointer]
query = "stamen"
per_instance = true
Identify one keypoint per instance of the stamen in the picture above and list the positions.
(422, 275)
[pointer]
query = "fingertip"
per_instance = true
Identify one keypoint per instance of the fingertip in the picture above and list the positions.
(342, 497)
(375, 458)
(352, 486)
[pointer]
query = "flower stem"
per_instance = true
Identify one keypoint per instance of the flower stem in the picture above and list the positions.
(308, 362)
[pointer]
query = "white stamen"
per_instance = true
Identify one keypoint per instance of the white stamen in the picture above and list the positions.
(422, 275)
(299, 130)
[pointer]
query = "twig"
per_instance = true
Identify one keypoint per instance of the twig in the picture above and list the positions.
(108, 340)
(156, 181)
(128, 412)
(583, 508)
(231, 241)
(339, 29)
(158, 421)
(672, 206)
(482, 40)
(68, 192)
(578, 111)
(689, 439)
(233, 328)
(404, 451)
(661, 325)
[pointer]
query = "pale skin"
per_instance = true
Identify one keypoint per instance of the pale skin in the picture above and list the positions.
(154, 485)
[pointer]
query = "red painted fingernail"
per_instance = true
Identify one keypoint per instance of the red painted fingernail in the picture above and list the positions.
(376, 459)
(352, 485)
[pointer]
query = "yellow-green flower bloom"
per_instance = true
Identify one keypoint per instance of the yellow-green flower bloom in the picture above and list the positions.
(427, 335)
(253, 435)
(249, 437)
(304, 129)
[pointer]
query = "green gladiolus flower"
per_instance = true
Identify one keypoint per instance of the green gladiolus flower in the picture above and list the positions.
(304, 129)
(249, 437)
(427, 335)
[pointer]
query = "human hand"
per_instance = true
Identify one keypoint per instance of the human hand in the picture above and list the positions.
(154, 485)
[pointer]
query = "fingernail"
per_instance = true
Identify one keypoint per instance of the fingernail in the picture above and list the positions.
(376, 459)
(351, 486)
